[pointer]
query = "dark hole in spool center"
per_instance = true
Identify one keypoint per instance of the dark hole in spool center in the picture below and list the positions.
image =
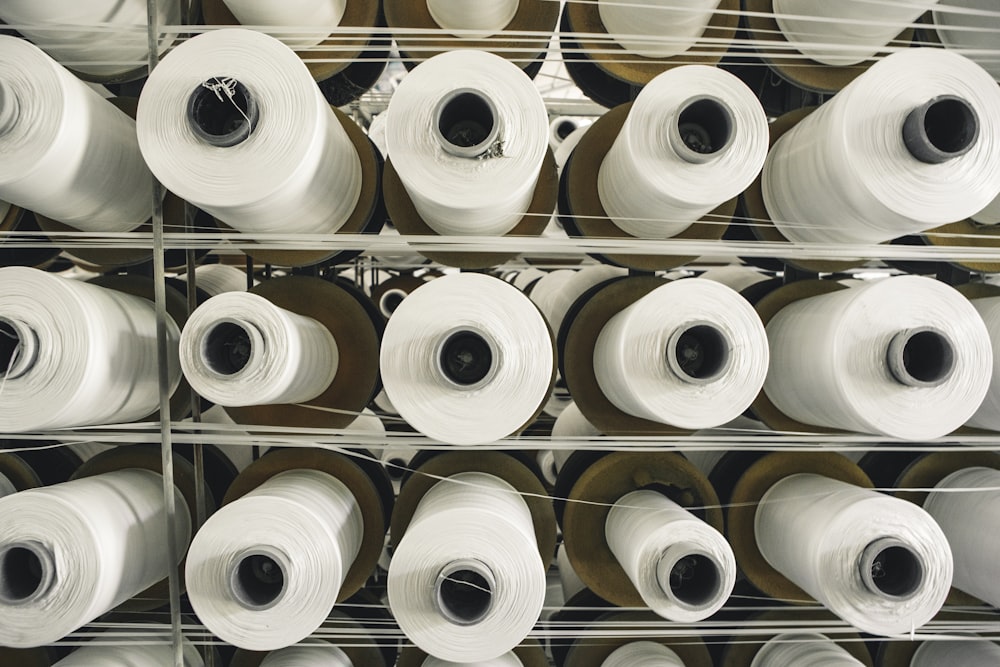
(222, 112)
(943, 128)
(9, 343)
(928, 357)
(694, 580)
(705, 126)
(466, 358)
(565, 128)
(466, 595)
(21, 574)
(228, 348)
(701, 352)
(259, 580)
(897, 572)
(392, 301)
(466, 120)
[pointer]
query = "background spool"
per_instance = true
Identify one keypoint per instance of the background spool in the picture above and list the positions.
(741, 650)
(643, 654)
(528, 654)
(805, 649)
(216, 279)
(974, 653)
(324, 14)
(125, 655)
(690, 649)
(388, 295)
(570, 581)
(986, 417)
(952, 29)
(17, 219)
(677, 29)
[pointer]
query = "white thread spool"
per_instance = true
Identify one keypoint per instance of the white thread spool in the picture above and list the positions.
(216, 279)
(508, 659)
(128, 655)
(571, 424)
(972, 32)
(466, 582)
(803, 650)
(558, 401)
(523, 279)
(6, 486)
(73, 551)
(546, 289)
(467, 359)
(472, 19)
(383, 403)
(968, 653)
(966, 508)
(545, 458)
(448, 120)
(68, 154)
(989, 215)
(88, 450)
(906, 357)
(909, 145)
(988, 414)
(695, 137)
(56, 339)
(692, 353)
(846, 32)
(240, 349)
(265, 570)
(643, 654)
(737, 278)
(312, 655)
(233, 122)
(683, 568)
(676, 28)
(104, 38)
(324, 14)
(880, 563)
(568, 145)
(555, 303)
(568, 578)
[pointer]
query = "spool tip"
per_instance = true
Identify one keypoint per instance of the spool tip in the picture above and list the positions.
(466, 123)
(222, 112)
(921, 357)
(27, 572)
(464, 591)
(889, 568)
(705, 128)
(941, 129)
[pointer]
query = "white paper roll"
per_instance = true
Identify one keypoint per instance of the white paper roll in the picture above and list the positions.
(695, 137)
(467, 359)
(966, 652)
(880, 563)
(484, 17)
(69, 154)
(692, 353)
(240, 349)
(467, 133)
(264, 571)
(324, 14)
(846, 175)
(803, 650)
(288, 168)
(310, 655)
(643, 654)
(907, 357)
(683, 568)
(508, 659)
(75, 354)
(653, 28)
(128, 655)
(73, 551)
(466, 582)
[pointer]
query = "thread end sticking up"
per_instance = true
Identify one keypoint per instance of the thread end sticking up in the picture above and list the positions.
(466, 123)
(10, 109)
(222, 112)
(922, 357)
(941, 129)
(464, 591)
(18, 349)
(257, 579)
(691, 578)
(27, 572)
(705, 129)
(698, 353)
(889, 568)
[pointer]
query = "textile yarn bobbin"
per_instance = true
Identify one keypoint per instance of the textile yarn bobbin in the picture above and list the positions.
(674, 649)
(744, 652)
(129, 655)
(528, 654)
(805, 649)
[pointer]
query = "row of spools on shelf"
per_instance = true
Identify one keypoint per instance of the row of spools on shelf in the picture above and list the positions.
(471, 537)
(232, 122)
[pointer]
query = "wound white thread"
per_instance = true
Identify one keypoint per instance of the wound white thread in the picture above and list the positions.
(971, 32)
(508, 659)
(216, 279)
(128, 655)
(292, 14)
(643, 654)
(653, 28)
(803, 650)
(472, 19)
(966, 652)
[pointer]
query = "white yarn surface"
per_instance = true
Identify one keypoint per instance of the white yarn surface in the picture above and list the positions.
(469, 516)
(814, 529)
(967, 508)
(108, 542)
(571, 424)
(522, 359)
(803, 650)
(988, 414)
(735, 277)
(845, 32)
(129, 655)
(968, 653)
(643, 654)
(547, 289)
(844, 175)
(76, 329)
(458, 195)
(631, 356)
(556, 301)
(306, 521)
(97, 37)
(291, 13)
(312, 655)
(972, 33)
(829, 367)
(506, 660)
(216, 279)
(6, 486)
(525, 278)
(648, 533)
(674, 28)
(646, 187)
(293, 358)
(568, 578)
(69, 154)
(297, 173)
(485, 17)
(989, 215)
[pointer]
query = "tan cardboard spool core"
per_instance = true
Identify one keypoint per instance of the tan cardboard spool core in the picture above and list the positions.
(578, 359)
(530, 653)
(765, 410)
(409, 223)
(760, 220)
(599, 487)
(20, 474)
(357, 371)
(344, 46)
(493, 463)
(533, 16)
(351, 475)
(752, 486)
(587, 211)
(691, 650)
(742, 653)
(585, 20)
(802, 71)
(28, 657)
(148, 457)
(360, 217)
